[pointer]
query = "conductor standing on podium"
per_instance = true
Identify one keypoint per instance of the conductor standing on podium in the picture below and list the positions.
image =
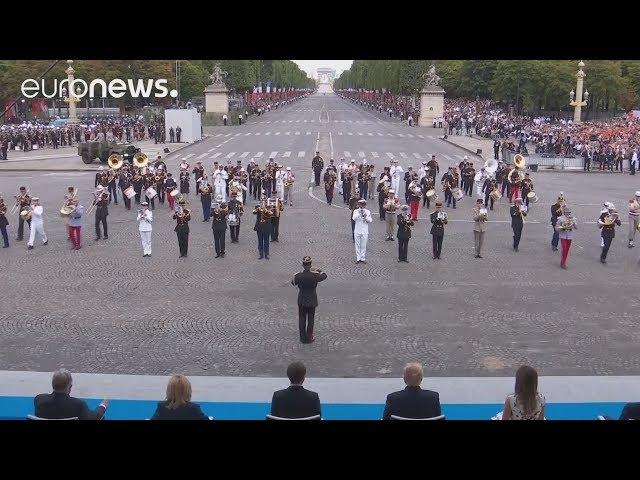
(306, 281)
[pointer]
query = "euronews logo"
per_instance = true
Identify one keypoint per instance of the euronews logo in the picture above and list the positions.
(98, 88)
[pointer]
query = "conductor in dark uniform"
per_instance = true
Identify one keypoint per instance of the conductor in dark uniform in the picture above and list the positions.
(306, 281)
(317, 164)
(437, 229)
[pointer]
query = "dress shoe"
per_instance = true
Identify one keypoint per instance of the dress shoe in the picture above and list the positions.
(311, 339)
(97, 238)
(479, 256)
(602, 260)
(106, 237)
(45, 243)
(364, 261)
(555, 249)
(30, 247)
(222, 254)
(5, 246)
(217, 255)
(260, 257)
(266, 257)
(563, 267)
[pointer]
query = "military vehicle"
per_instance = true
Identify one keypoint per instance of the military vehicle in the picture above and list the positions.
(89, 151)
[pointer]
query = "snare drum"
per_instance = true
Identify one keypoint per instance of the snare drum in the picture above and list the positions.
(174, 192)
(431, 194)
(495, 195)
(457, 193)
(150, 193)
(532, 197)
(129, 192)
(233, 220)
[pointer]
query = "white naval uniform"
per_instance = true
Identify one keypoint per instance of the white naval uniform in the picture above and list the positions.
(145, 228)
(396, 172)
(37, 226)
(422, 172)
(220, 183)
(240, 186)
(361, 232)
(342, 168)
(280, 184)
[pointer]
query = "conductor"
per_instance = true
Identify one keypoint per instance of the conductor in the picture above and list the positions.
(306, 281)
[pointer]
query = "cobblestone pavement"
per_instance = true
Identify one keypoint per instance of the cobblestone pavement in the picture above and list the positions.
(106, 309)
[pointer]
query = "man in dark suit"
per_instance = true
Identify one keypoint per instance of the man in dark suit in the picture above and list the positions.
(295, 401)
(60, 403)
(307, 281)
(413, 401)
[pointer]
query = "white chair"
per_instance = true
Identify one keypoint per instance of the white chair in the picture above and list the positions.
(273, 417)
(33, 417)
(439, 417)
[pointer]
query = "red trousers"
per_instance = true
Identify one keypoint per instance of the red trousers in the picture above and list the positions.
(171, 200)
(566, 245)
(514, 192)
(415, 205)
(69, 232)
(74, 233)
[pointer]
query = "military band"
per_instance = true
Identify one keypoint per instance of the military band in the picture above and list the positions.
(363, 218)
(263, 226)
(565, 225)
(205, 190)
(289, 179)
(23, 202)
(391, 205)
(607, 223)
(329, 179)
(101, 206)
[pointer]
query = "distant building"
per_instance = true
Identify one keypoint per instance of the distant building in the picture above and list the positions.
(326, 75)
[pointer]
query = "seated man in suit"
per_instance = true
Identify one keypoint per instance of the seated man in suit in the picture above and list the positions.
(412, 402)
(60, 403)
(295, 401)
(631, 411)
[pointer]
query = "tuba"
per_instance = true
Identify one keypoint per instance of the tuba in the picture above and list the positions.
(115, 161)
(518, 161)
(140, 160)
(491, 166)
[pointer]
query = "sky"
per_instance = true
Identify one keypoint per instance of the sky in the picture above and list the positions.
(310, 66)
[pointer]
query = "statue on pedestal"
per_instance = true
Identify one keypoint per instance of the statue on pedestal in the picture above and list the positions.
(431, 78)
(217, 77)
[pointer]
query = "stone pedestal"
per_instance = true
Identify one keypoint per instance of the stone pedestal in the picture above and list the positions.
(431, 105)
(216, 99)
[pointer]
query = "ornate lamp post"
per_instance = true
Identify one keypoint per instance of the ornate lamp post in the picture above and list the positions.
(576, 98)
(72, 99)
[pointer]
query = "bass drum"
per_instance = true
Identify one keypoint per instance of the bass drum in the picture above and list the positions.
(457, 193)
(129, 192)
(150, 193)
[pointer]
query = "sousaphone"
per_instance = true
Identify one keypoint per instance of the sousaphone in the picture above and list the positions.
(115, 161)
(518, 161)
(140, 160)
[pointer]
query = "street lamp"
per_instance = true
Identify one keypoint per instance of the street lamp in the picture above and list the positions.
(578, 101)
(24, 110)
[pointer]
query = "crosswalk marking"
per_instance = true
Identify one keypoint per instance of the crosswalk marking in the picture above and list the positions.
(390, 134)
(300, 154)
(379, 134)
(231, 154)
(290, 121)
(287, 133)
(267, 133)
(349, 133)
(308, 133)
(347, 154)
(401, 135)
(448, 157)
(297, 133)
(257, 133)
(370, 134)
(360, 133)
(244, 154)
(237, 134)
(218, 135)
(273, 155)
(211, 149)
(286, 154)
(361, 154)
(305, 121)
(258, 155)
(390, 155)
(420, 136)
(268, 121)
(374, 154)
(188, 156)
(339, 133)
(403, 155)
(277, 133)
(228, 135)
(215, 155)
(247, 134)
(312, 121)
(202, 156)
(417, 155)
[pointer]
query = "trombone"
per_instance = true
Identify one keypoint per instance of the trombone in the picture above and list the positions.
(16, 206)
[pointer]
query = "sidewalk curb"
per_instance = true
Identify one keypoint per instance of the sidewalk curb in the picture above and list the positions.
(463, 148)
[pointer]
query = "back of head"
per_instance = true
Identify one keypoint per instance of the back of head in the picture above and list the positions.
(526, 388)
(178, 391)
(413, 374)
(61, 381)
(296, 372)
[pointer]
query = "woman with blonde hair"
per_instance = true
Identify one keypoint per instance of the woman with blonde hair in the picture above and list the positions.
(178, 404)
(526, 403)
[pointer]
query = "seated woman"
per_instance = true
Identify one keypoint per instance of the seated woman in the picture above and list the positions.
(178, 404)
(526, 403)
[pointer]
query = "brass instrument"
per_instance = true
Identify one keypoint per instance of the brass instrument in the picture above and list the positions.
(26, 212)
(568, 224)
(518, 173)
(518, 161)
(608, 220)
(115, 161)
(15, 208)
(140, 160)
(482, 212)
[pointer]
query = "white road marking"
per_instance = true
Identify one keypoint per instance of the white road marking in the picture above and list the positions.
(258, 133)
(277, 133)
(188, 156)
(417, 155)
(287, 133)
(379, 134)
(212, 149)
(347, 154)
(267, 133)
(244, 154)
(286, 154)
(297, 133)
(349, 133)
(403, 155)
(374, 154)
(202, 155)
(390, 155)
(370, 134)
(361, 154)
(231, 154)
(247, 134)
(273, 155)
(420, 136)
(258, 155)
(300, 154)
(308, 133)
(215, 155)
(228, 135)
